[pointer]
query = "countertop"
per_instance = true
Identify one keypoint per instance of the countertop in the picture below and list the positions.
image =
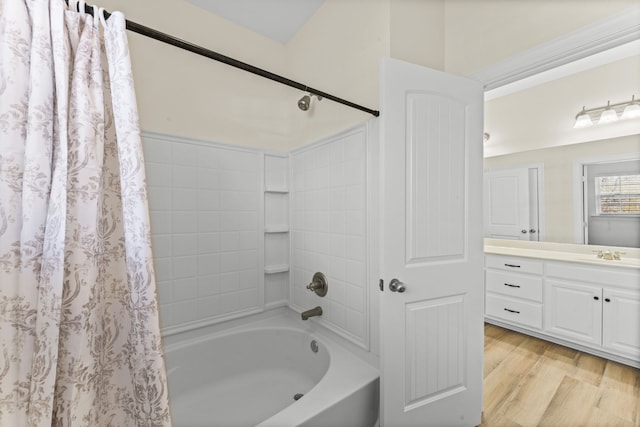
(583, 254)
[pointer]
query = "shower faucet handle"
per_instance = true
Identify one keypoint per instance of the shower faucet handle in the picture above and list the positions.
(319, 284)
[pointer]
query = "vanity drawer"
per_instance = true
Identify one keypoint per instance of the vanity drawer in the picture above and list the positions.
(514, 285)
(514, 264)
(516, 311)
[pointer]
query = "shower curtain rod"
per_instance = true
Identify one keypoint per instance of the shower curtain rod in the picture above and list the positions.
(199, 50)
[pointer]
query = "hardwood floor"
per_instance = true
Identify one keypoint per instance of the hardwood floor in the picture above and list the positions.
(531, 382)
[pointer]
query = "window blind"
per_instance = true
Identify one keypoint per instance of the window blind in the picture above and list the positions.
(617, 195)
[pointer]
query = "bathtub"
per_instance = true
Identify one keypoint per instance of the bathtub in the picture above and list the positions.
(269, 371)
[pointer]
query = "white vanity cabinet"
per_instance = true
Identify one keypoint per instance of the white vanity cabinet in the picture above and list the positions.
(595, 306)
(591, 307)
(514, 290)
(621, 322)
(573, 311)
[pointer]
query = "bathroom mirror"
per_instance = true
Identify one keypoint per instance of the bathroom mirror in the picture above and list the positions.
(531, 133)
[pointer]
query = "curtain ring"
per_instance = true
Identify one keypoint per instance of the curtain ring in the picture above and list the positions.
(96, 15)
(81, 7)
(102, 17)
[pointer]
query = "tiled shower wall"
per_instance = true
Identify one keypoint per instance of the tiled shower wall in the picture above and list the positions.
(328, 232)
(205, 207)
(233, 236)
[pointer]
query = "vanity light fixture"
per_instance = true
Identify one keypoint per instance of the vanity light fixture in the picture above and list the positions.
(608, 114)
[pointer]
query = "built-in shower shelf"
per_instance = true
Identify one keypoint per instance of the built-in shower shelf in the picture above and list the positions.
(281, 190)
(274, 269)
(276, 229)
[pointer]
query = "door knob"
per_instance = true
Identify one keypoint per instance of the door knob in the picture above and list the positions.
(396, 286)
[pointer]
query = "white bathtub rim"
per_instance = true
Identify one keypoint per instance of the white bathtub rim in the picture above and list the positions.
(280, 316)
(203, 332)
(235, 331)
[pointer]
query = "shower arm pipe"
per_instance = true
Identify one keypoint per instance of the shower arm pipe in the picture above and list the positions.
(199, 50)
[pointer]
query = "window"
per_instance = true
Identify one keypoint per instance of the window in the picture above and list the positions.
(617, 195)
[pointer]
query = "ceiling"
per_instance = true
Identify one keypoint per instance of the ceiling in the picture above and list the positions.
(278, 20)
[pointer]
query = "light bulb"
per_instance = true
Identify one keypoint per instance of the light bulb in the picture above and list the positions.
(609, 115)
(632, 110)
(583, 120)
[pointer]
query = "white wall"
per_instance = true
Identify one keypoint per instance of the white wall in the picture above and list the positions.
(479, 33)
(222, 244)
(329, 232)
(205, 208)
(336, 51)
(181, 93)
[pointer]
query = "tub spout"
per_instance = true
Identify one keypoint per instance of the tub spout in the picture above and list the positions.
(317, 311)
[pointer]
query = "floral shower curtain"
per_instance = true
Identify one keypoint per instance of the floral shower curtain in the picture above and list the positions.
(79, 331)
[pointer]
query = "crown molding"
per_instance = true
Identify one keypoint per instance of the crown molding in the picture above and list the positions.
(614, 31)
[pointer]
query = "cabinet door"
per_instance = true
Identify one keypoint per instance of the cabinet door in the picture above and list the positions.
(621, 322)
(574, 311)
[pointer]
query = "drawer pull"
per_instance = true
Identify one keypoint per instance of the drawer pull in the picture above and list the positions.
(511, 286)
(512, 265)
(512, 311)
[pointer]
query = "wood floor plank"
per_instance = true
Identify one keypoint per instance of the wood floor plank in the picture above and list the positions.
(534, 394)
(498, 346)
(531, 382)
(589, 368)
(570, 405)
(620, 391)
(504, 379)
(599, 418)
(497, 420)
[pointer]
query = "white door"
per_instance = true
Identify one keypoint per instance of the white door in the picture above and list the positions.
(506, 207)
(431, 205)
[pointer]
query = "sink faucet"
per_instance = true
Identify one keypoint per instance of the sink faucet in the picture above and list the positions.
(608, 255)
(317, 311)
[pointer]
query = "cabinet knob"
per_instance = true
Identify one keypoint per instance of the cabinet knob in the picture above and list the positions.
(596, 298)
(607, 300)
